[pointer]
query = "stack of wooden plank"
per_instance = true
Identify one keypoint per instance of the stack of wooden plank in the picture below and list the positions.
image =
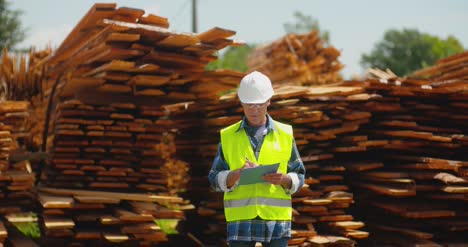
(414, 188)
(17, 189)
(323, 201)
(121, 50)
(322, 128)
(299, 59)
(15, 114)
(5, 146)
(23, 78)
(117, 147)
(453, 67)
(84, 218)
(23, 75)
(16, 178)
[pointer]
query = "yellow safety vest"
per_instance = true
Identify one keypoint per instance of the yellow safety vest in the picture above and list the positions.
(268, 201)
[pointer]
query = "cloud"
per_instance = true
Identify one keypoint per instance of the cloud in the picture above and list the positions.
(44, 37)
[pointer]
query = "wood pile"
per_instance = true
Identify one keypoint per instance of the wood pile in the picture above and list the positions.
(23, 83)
(115, 147)
(14, 115)
(389, 152)
(397, 147)
(123, 51)
(320, 206)
(17, 179)
(22, 75)
(121, 55)
(297, 59)
(84, 218)
(414, 188)
(453, 67)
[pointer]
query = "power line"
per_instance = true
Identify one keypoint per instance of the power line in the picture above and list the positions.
(177, 20)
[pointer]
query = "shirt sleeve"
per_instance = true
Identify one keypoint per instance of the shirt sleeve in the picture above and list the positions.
(219, 172)
(296, 170)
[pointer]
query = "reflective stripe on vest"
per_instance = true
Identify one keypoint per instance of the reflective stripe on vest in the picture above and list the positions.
(258, 200)
(265, 200)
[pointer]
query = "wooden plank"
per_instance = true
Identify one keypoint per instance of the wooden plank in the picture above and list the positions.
(129, 216)
(51, 223)
(350, 225)
(178, 41)
(3, 231)
(151, 19)
(149, 80)
(120, 196)
(215, 33)
(408, 232)
(96, 199)
(55, 201)
(113, 53)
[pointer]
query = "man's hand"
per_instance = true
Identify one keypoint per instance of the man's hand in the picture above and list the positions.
(278, 179)
(235, 174)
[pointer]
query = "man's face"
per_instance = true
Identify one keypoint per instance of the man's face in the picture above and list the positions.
(256, 113)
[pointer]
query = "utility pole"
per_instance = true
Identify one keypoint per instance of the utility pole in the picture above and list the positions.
(194, 16)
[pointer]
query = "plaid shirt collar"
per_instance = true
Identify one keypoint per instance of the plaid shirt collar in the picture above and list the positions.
(270, 124)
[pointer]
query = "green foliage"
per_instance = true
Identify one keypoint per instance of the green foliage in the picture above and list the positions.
(11, 32)
(409, 50)
(234, 58)
(305, 24)
(28, 227)
(169, 226)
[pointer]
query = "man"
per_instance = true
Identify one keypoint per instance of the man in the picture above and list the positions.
(259, 212)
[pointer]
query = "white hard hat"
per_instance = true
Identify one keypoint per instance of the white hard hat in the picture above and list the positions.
(255, 88)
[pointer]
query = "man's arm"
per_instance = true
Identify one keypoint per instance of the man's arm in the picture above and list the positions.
(296, 170)
(294, 179)
(223, 179)
(219, 171)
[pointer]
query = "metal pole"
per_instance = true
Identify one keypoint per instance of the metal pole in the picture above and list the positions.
(194, 16)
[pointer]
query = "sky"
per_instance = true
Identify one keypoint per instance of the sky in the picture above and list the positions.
(355, 26)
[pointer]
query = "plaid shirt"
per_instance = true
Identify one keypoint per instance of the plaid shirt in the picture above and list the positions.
(257, 230)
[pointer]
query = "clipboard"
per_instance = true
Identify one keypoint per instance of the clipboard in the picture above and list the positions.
(254, 175)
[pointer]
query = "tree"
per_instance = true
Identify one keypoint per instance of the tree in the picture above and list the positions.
(234, 58)
(11, 32)
(305, 24)
(409, 50)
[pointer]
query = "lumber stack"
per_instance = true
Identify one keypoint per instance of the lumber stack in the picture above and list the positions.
(116, 147)
(17, 179)
(122, 55)
(24, 83)
(414, 187)
(453, 67)
(320, 206)
(322, 127)
(23, 75)
(121, 147)
(84, 218)
(17, 189)
(15, 115)
(123, 51)
(299, 59)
